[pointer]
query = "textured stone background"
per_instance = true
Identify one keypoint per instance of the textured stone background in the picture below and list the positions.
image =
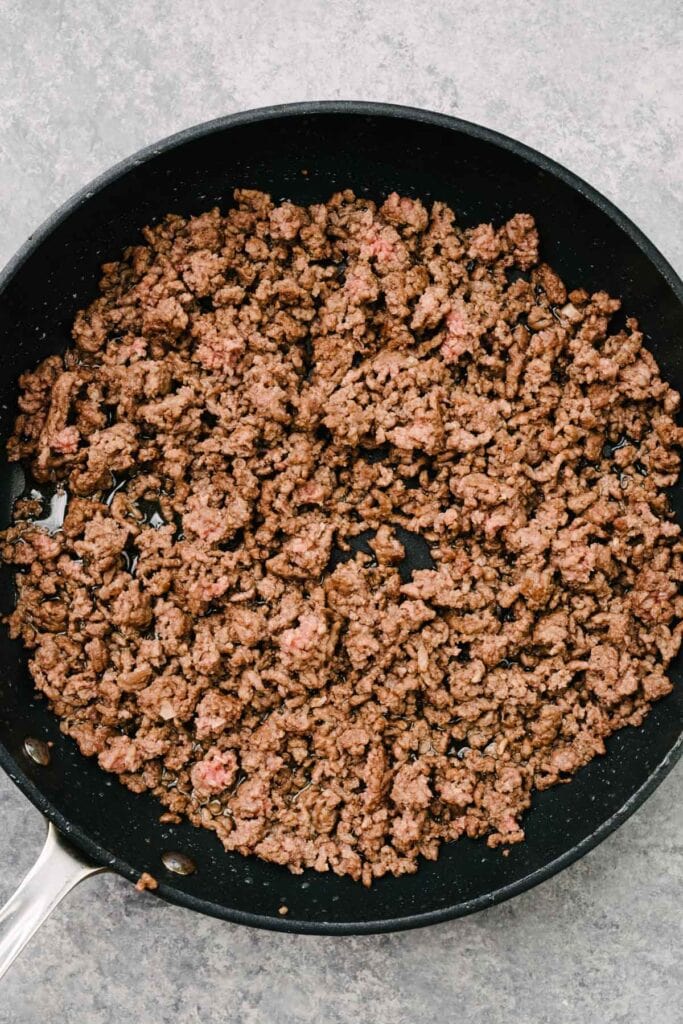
(595, 84)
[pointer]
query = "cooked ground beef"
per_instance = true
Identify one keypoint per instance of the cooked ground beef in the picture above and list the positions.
(260, 414)
(146, 881)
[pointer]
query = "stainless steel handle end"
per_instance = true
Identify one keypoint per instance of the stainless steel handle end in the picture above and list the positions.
(58, 869)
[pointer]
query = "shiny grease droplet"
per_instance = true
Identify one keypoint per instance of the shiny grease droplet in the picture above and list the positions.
(178, 863)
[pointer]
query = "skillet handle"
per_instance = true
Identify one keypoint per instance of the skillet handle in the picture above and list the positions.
(58, 869)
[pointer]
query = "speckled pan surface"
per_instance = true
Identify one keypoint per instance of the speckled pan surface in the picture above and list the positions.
(373, 149)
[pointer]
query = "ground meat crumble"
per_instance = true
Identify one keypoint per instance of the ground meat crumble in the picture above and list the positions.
(146, 882)
(259, 411)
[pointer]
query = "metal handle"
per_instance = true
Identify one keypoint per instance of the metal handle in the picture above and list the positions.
(58, 869)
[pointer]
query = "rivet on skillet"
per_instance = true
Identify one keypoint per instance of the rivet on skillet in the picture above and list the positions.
(37, 750)
(178, 863)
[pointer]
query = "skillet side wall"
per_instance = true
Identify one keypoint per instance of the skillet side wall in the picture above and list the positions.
(374, 152)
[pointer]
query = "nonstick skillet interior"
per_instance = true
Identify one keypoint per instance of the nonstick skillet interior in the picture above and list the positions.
(305, 153)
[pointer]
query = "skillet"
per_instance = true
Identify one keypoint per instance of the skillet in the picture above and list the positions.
(97, 824)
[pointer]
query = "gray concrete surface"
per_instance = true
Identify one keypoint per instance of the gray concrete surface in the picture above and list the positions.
(595, 84)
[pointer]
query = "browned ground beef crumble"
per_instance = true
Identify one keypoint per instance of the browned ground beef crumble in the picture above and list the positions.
(250, 391)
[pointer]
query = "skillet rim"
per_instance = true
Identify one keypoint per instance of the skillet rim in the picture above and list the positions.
(169, 892)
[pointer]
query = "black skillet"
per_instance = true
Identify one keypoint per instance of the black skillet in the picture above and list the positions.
(304, 152)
